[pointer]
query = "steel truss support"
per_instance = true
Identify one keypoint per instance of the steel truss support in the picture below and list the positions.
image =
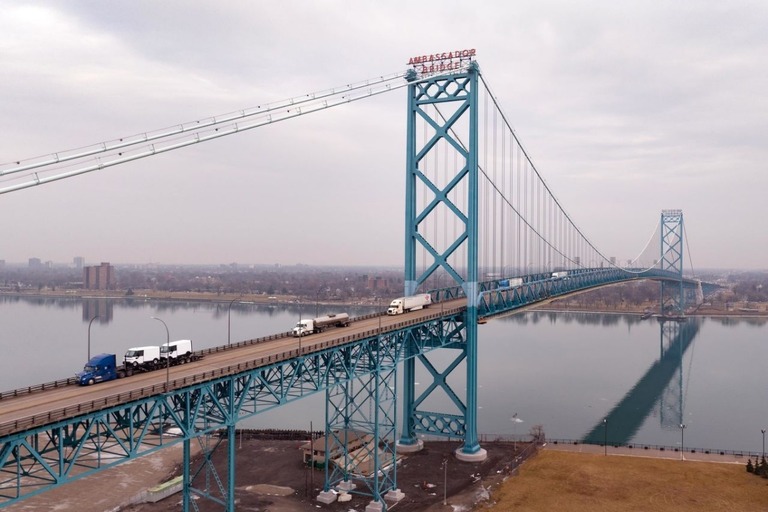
(50, 455)
(456, 95)
(451, 334)
(360, 430)
(672, 295)
(205, 482)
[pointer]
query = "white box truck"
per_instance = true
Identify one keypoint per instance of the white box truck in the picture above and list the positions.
(560, 275)
(404, 304)
(313, 325)
(142, 357)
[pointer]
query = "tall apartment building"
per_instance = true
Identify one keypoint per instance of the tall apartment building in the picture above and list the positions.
(101, 277)
(79, 262)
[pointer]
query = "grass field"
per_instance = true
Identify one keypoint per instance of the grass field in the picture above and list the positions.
(563, 481)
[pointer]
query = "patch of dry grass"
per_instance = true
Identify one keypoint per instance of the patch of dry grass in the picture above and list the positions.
(564, 481)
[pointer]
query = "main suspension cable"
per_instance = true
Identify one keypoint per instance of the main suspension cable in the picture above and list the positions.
(160, 141)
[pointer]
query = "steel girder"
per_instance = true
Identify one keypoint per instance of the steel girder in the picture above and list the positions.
(48, 456)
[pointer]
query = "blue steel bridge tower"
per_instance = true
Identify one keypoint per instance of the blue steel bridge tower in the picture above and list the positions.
(672, 293)
(442, 118)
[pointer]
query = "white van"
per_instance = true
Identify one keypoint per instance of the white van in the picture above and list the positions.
(142, 356)
(179, 351)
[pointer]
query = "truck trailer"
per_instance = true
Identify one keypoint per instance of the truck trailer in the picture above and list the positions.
(404, 304)
(319, 324)
(560, 275)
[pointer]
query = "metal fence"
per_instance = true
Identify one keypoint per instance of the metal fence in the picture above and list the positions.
(661, 448)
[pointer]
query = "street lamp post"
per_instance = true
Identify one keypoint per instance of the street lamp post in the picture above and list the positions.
(763, 431)
(515, 421)
(682, 441)
(229, 321)
(167, 353)
(605, 436)
(89, 336)
(301, 331)
(442, 305)
(229, 317)
(445, 481)
(317, 302)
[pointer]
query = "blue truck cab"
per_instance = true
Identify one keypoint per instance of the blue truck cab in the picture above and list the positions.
(99, 368)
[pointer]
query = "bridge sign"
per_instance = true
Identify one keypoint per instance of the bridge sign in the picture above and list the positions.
(441, 62)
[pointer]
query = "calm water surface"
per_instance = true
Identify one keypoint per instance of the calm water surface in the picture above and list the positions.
(565, 371)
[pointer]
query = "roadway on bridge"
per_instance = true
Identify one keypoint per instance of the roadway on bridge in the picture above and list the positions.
(15, 411)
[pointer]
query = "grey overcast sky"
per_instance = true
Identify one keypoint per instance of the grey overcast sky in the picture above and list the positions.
(627, 108)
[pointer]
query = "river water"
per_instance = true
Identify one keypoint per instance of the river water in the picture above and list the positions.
(567, 372)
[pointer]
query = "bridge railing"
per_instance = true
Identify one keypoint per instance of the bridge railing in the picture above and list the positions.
(213, 350)
(90, 406)
(39, 387)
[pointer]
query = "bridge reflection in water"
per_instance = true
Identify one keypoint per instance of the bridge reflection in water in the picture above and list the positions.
(661, 385)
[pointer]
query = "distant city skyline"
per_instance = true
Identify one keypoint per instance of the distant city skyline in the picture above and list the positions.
(245, 265)
(626, 109)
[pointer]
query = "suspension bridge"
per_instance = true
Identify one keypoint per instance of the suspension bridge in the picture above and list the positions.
(484, 235)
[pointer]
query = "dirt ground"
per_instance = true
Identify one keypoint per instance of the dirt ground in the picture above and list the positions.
(266, 469)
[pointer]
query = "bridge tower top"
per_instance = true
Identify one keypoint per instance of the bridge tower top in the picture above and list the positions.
(441, 107)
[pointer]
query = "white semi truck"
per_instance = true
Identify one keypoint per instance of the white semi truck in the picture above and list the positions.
(313, 325)
(412, 303)
(560, 275)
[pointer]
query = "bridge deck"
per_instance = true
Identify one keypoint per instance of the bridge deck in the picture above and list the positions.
(18, 413)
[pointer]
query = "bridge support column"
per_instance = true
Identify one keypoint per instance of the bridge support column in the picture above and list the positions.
(187, 484)
(230, 497)
(408, 442)
(217, 406)
(471, 451)
(360, 431)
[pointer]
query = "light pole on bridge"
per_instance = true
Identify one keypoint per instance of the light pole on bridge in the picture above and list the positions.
(89, 335)
(167, 353)
(763, 432)
(442, 302)
(301, 329)
(317, 302)
(605, 436)
(229, 318)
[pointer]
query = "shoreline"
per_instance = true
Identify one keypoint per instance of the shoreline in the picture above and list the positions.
(150, 295)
